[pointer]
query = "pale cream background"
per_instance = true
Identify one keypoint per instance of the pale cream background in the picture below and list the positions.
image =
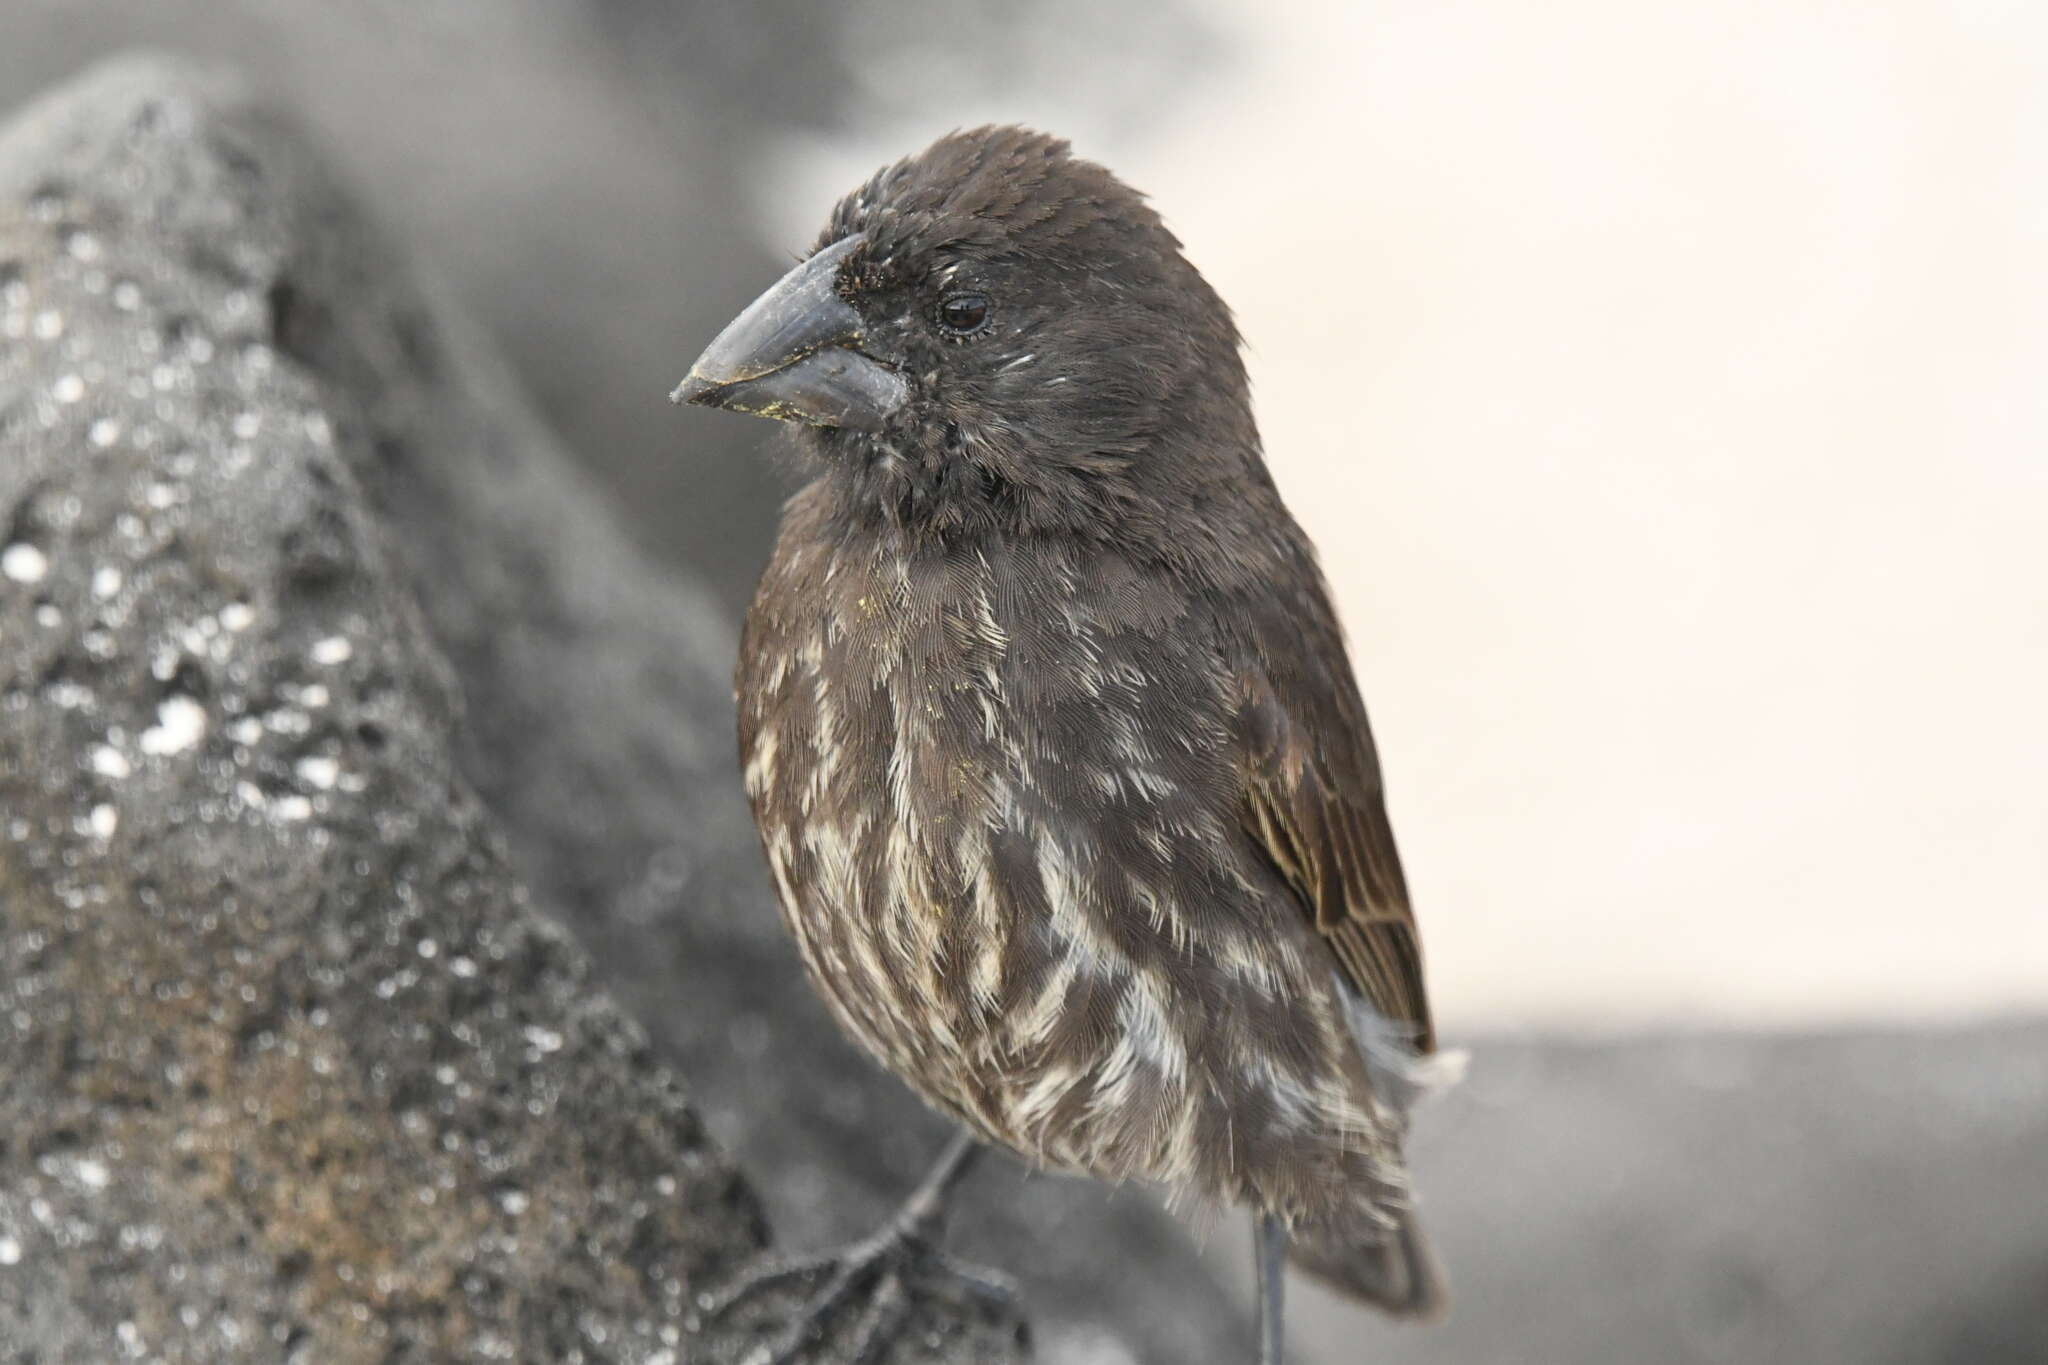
(1667, 387)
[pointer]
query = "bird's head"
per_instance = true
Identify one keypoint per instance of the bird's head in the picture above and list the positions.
(991, 319)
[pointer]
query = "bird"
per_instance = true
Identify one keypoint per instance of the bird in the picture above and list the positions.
(1050, 734)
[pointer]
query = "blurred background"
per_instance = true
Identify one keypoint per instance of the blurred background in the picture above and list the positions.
(1664, 387)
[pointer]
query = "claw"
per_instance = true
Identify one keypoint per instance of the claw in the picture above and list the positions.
(881, 1322)
(894, 1269)
(890, 1272)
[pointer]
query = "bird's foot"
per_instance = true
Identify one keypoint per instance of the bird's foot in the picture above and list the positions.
(862, 1295)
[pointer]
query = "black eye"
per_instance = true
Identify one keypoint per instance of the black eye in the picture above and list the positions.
(964, 314)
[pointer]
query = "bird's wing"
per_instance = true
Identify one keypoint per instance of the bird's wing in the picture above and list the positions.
(1312, 802)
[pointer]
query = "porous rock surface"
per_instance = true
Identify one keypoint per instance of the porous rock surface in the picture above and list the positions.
(289, 1067)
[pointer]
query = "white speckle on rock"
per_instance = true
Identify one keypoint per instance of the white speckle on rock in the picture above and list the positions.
(160, 496)
(108, 761)
(10, 1251)
(49, 325)
(93, 1174)
(104, 432)
(180, 724)
(104, 821)
(317, 771)
(292, 808)
(313, 695)
(70, 696)
(106, 581)
(515, 1202)
(335, 649)
(543, 1040)
(69, 388)
(247, 730)
(250, 795)
(237, 616)
(48, 616)
(288, 721)
(247, 424)
(24, 563)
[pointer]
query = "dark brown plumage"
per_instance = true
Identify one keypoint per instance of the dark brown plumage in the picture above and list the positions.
(1047, 722)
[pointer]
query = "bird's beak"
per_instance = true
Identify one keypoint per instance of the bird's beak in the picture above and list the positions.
(791, 355)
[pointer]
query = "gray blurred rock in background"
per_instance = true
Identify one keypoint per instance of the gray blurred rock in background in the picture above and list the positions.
(594, 226)
(1874, 1198)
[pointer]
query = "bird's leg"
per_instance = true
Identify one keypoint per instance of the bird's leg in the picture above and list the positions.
(1269, 1258)
(925, 1210)
(881, 1269)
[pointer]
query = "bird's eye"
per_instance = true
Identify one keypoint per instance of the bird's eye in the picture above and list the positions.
(964, 314)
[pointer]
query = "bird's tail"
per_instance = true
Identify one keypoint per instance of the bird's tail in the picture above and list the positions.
(1393, 1269)
(1355, 1252)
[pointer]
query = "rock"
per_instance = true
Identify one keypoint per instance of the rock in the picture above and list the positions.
(292, 1069)
(325, 626)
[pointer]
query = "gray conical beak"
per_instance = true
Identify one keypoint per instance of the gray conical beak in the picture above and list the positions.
(792, 355)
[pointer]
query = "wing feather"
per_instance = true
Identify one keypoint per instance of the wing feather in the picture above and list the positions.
(1313, 803)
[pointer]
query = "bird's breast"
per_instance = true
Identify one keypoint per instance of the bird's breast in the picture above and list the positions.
(1001, 818)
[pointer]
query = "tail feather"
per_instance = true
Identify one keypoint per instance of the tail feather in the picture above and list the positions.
(1394, 1269)
(1356, 1252)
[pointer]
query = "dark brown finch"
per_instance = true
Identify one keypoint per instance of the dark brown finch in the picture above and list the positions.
(1047, 722)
